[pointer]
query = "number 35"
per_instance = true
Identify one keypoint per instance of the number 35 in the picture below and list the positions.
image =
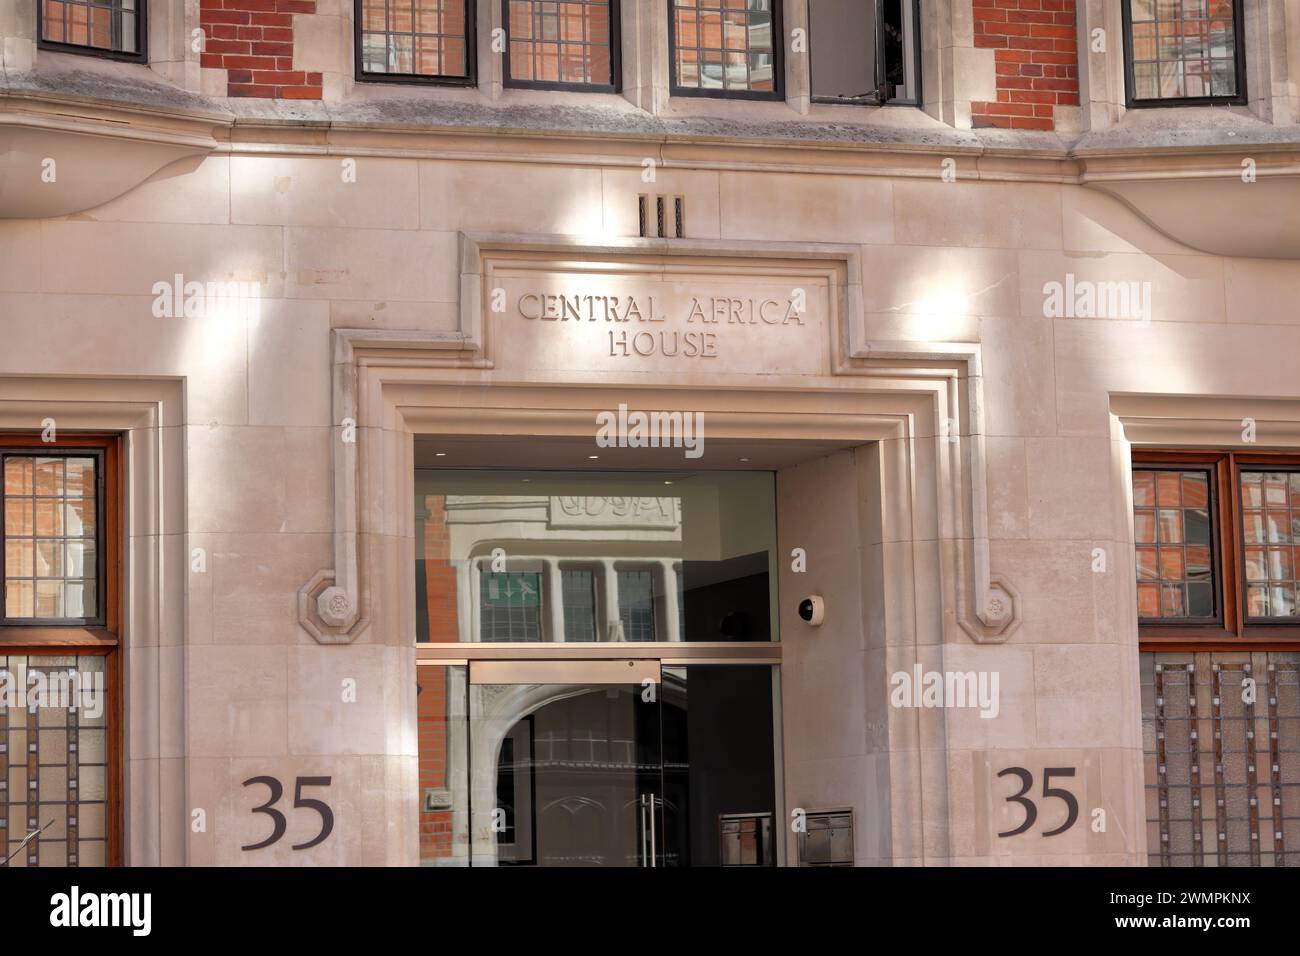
(279, 824)
(1031, 810)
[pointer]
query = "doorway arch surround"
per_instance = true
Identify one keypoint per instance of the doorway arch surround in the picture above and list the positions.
(910, 412)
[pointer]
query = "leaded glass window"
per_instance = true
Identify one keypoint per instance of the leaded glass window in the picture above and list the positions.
(726, 48)
(52, 549)
(561, 43)
(107, 27)
(420, 39)
(1184, 50)
(1173, 535)
(53, 760)
(1270, 512)
(636, 605)
(578, 588)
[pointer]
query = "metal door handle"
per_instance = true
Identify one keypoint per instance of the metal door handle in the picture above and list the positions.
(649, 844)
(654, 848)
(645, 831)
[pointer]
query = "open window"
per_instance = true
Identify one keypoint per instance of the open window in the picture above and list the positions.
(864, 51)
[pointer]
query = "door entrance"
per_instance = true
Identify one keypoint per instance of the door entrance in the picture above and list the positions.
(567, 762)
(612, 762)
(598, 668)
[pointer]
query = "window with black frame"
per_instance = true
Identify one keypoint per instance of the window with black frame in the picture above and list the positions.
(562, 44)
(111, 28)
(729, 48)
(415, 41)
(1182, 52)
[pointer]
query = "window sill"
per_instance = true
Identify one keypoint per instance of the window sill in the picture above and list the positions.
(1216, 638)
(46, 636)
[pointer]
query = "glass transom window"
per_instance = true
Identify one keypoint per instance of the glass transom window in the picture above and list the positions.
(594, 557)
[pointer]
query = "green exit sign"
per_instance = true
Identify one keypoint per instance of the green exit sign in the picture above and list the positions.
(512, 590)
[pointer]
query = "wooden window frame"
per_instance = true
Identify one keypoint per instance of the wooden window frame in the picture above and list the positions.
(1233, 631)
(103, 640)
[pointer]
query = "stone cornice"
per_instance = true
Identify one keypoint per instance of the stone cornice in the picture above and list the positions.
(1141, 163)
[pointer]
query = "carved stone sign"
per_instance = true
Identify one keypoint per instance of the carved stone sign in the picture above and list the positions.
(573, 511)
(640, 320)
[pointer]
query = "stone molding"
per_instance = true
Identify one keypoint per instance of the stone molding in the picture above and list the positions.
(1177, 421)
(150, 415)
(946, 380)
(126, 145)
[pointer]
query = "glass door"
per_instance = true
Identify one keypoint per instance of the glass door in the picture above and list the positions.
(566, 764)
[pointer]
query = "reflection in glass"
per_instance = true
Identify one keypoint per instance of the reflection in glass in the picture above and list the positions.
(416, 37)
(569, 773)
(595, 557)
(50, 538)
(1270, 502)
(1174, 553)
(1182, 51)
(724, 49)
(440, 698)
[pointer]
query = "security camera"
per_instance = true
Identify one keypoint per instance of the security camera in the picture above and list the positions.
(813, 610)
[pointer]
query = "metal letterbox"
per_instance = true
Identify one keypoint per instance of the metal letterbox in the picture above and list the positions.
(827, 839)
(745, 839)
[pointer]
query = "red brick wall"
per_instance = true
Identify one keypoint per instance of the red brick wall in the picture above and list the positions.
(439, 575)
(1037, 61)
(252, 40)
(431, 702)
(431, 714)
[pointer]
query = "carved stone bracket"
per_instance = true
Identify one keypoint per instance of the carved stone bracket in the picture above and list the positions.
(990, 609)
(327, 612)
(330, 605)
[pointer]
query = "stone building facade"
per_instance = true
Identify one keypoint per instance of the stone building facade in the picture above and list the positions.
(414, 412)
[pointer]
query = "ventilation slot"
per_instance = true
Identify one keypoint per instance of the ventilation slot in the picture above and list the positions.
(669, 220)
